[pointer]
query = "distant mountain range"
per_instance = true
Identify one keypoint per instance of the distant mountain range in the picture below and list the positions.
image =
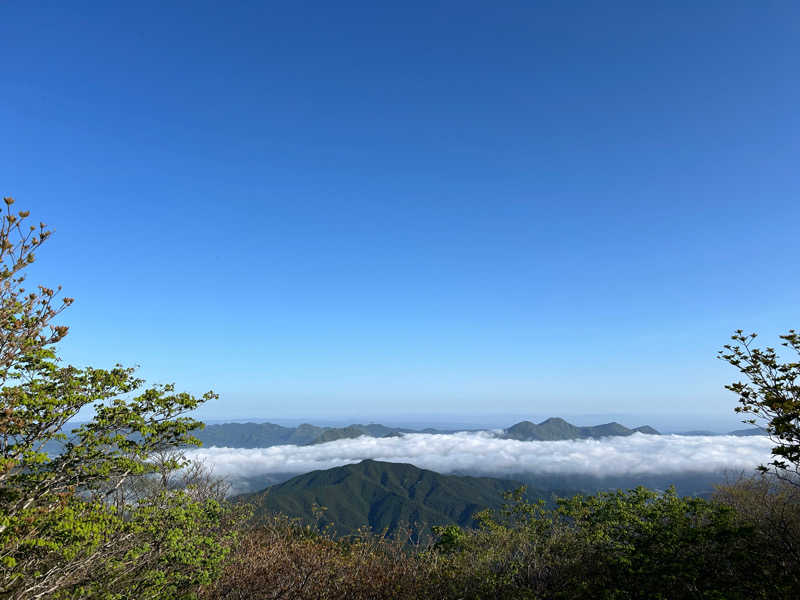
(383, 496)
(738, 432)
(559, 429)
(263, 435)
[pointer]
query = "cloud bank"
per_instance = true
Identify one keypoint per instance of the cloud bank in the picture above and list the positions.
(481, 453)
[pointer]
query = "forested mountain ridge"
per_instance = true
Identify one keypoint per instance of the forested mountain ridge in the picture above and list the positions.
(382, 496)
(558, 429)
(263, 435)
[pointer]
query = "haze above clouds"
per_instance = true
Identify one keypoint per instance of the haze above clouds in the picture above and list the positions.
(481, 453)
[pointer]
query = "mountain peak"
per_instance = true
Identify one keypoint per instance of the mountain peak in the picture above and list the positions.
(554, 421)
(556, 428)
(383, 495)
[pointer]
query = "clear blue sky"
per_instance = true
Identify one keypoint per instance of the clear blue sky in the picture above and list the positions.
(335, 209)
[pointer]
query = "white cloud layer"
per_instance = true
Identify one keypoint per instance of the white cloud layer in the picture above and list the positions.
(481, 453)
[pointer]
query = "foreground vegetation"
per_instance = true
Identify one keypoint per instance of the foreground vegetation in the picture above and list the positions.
(742, 544)
(104, 517)
(118, 513)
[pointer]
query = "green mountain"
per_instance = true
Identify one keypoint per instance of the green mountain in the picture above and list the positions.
(559, 429)
(383, 496)
(264, 435)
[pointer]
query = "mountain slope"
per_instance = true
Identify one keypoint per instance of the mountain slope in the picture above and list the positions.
(646, 429)
(383, 496)
(264, 435)
(559, 429)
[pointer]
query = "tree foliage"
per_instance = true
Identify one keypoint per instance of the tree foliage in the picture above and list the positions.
(771, 395)
(64, 533)
(615, 545)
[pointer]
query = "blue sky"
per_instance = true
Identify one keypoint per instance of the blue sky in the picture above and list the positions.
(352, 209)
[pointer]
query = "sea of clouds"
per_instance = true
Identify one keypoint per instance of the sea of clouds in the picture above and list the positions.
(483, 453)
